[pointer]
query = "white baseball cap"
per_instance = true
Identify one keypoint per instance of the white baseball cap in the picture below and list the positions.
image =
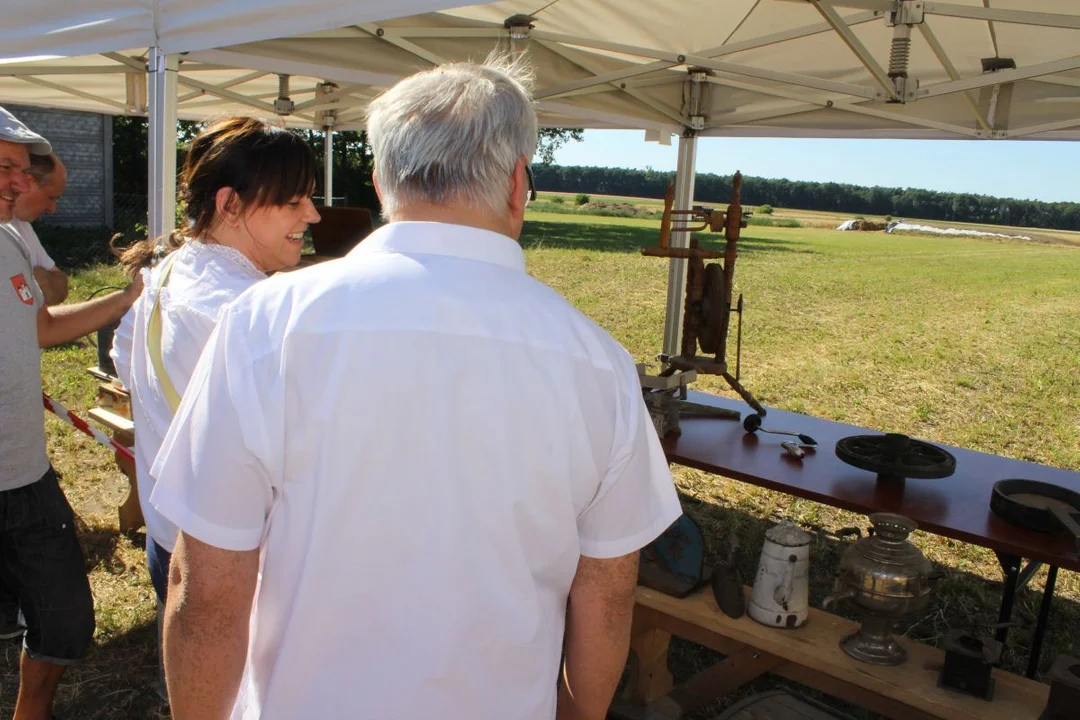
(14, 131)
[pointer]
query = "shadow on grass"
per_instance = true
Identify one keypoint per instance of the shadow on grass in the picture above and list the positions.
(630, 239)
(115, 681)
(99, 545)
(961, 600)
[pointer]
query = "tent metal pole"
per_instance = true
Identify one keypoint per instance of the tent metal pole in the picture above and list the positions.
(685, 177)
(328, 165)
(161, 137)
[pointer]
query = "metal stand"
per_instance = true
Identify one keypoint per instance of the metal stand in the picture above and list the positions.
(1016, 579)
(1040, 624)
(162, 74)
(685, 176)
(665, 397)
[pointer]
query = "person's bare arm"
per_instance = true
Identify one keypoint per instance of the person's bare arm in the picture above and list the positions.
(597, 641)
(64, 323)
(53, 283)
(206, 627)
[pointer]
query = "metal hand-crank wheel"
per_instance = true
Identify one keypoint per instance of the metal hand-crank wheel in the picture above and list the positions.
(895, 457)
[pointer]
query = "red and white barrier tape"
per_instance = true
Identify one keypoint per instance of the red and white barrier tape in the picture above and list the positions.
(82, 426)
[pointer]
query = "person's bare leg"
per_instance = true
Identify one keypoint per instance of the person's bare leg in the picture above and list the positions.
(37, 687)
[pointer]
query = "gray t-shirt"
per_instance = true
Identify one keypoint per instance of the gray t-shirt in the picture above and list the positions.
(22, 435)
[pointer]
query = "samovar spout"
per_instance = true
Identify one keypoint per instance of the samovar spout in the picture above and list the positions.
(830, 600)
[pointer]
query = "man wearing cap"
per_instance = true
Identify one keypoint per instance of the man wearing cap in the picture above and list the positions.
(48, 179)
(41, 561)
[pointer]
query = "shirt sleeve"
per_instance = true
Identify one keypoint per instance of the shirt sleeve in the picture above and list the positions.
(637, 500)
(38, 256)
(124, 338)
(219, 467)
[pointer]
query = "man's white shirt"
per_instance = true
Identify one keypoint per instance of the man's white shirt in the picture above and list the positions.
(422, 440)
(205, 278)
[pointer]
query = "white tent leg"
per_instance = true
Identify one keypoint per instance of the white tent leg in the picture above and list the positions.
(328, 165)
(161, 136)
(685, 176)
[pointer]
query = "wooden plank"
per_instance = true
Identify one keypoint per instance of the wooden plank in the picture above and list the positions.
(130, 511)
(649, 674)
(123, 431)
(116, 423)
(815, 648)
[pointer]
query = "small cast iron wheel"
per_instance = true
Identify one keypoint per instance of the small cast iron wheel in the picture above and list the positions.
(751, 423)
(713, 309)
(895, 456)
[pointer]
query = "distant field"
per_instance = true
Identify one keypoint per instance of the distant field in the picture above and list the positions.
(830, 220)
(966, 342)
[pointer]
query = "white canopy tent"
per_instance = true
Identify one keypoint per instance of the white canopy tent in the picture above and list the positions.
(971, 69)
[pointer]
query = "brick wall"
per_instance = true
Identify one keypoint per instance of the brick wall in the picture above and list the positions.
(84, 142)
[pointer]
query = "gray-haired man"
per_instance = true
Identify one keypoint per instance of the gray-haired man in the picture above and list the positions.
(41, 561)
(48, 179)
(415, 474)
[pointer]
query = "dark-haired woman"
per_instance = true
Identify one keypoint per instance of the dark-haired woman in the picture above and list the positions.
(246, 188)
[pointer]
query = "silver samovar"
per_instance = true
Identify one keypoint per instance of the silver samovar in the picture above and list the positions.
(887, 579)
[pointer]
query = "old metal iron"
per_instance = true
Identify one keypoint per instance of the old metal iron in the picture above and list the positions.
(969, 661)
(727, 584)
(895, 457)
(780, 597)
(886, 578)
(707, 308)
(674, 562)
(1064, 696)
(1038, 506)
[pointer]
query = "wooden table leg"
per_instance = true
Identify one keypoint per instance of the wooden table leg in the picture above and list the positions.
(130, 512)
(649, 674)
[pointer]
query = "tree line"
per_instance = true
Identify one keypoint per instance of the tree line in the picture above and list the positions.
(353, 160)
(353, 164)
(836, 197)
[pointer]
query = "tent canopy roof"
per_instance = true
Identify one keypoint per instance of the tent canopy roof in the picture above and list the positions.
(779, 68)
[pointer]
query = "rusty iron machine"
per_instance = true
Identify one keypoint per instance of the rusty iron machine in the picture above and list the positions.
(706, 319)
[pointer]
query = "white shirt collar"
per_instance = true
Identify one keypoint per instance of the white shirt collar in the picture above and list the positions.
(228, 252)
(433, 238)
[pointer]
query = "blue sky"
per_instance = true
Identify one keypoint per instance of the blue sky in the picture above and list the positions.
(1021, 169)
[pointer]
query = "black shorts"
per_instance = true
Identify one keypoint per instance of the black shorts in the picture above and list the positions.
(42, 564)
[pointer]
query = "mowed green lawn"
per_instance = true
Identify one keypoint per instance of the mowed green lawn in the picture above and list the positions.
(972, 343)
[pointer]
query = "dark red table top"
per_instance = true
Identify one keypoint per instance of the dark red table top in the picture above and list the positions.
(957, 506)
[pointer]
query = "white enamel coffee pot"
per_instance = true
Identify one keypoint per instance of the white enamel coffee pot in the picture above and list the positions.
(781, 588)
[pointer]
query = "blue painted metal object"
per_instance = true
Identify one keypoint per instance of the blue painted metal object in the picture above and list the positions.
(674, 562)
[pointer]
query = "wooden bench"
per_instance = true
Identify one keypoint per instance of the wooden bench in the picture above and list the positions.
(114, 413)
(810, 656)
(123, 431)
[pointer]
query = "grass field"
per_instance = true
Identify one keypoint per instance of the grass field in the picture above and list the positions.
(967, 342)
